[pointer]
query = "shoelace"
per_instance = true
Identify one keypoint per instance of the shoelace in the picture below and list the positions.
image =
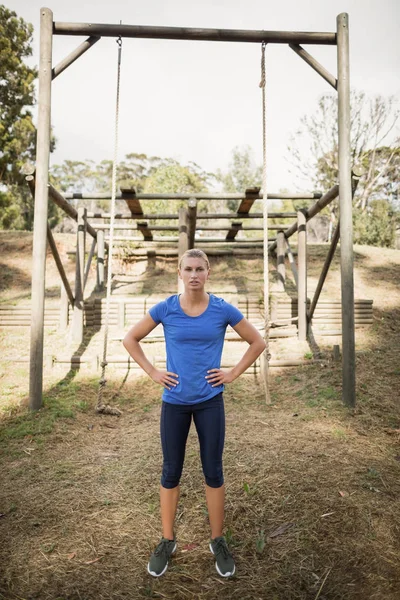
(162, 548)
(221, 548)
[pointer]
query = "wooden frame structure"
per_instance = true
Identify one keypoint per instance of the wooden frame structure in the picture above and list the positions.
(48, 28)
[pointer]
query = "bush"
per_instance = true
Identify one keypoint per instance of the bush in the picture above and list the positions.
(375, 226)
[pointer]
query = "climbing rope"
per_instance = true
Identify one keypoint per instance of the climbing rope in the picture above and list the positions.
(266, 354)
(101, 406)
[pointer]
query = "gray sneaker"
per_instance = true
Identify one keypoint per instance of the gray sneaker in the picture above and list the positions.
(158, 563)
(224, 563)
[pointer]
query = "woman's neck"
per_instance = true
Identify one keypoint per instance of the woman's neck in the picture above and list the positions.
(194, 297)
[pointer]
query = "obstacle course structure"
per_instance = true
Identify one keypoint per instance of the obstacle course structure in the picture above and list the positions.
(187, 217)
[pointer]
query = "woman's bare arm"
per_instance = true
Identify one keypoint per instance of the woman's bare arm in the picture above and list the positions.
(132, 344)
(249, 333)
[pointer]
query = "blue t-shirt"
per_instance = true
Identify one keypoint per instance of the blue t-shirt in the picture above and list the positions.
(194, 345)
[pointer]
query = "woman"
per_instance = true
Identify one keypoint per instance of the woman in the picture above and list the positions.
(194, 327)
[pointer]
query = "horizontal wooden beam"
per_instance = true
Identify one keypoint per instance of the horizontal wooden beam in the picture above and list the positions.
(200, 196)
(133, 227)
(204, 240)
(195, 34)
(165, 216)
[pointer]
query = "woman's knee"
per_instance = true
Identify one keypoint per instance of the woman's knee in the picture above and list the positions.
(213, 475)
(171, 475)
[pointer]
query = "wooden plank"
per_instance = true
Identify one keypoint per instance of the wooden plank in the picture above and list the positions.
(251, 195)
(143, 227)
(132, 202)
(235, 227)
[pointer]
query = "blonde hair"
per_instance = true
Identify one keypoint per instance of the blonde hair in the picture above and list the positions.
(194, 253)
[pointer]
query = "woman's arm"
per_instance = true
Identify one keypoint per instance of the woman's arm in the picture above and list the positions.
(256, 346)
(131, 343)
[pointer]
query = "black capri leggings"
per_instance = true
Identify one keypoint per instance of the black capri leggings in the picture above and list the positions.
(209, 419)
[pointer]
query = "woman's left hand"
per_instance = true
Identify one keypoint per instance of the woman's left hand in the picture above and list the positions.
(217, 377)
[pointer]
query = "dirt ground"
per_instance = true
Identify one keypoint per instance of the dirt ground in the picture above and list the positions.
(313, 489)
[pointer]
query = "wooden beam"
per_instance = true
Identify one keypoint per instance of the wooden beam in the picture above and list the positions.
(281, 261)
(196, 34)
(251, 196)
(71, 58)
(40, 216)
(59, 264)
(302, 265)
(89, 260)
(314, 64)
(154, 216)
(199, 196)
(346, 210)
(192, 213)
(235, 227)
(311, 212)
(78, 315)
(133, 203)
(292, 263)
(143, 227)
(100, 260)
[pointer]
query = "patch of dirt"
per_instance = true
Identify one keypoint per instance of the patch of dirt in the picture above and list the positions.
(312, 488)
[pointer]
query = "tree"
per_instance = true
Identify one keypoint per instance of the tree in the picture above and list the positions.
(17, 132)
(314, 148)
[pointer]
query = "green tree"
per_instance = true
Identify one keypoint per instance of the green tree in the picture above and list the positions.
(17, 132)
(243, 172)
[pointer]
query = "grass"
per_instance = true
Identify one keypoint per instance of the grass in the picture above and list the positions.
(79, 495)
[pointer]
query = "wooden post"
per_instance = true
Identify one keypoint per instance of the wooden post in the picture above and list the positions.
(100, 260)
(77, 321)
(183, 242)
(302, 273)
(40, 216)
(281, 250)
(64, 308)
(192, 213)
(346, 220)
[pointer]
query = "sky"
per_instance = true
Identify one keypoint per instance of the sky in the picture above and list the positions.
(196, 100)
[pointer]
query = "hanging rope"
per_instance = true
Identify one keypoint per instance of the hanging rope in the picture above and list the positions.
(266, 354)
(101, 406)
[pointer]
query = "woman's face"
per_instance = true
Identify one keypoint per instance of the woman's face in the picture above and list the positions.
(194, 273)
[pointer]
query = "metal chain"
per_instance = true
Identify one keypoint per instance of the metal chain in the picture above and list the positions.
(267, 355)
(101, 407)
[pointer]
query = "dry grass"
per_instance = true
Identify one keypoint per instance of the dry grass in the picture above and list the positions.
(79, 492)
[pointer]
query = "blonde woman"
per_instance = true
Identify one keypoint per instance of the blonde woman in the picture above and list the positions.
(194, 327)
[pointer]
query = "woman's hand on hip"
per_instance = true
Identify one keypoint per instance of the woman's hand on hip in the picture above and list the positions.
(165, 378)
(217, 377)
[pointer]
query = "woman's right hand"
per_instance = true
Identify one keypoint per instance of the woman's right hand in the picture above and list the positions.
(165, 378)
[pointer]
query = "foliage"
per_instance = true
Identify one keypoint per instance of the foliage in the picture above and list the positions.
(314, 156)
(375, 227)
(17, 132)
(149, 174)
(372, 120)
(243, 172)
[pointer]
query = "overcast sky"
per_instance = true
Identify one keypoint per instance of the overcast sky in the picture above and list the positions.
(196, 101)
